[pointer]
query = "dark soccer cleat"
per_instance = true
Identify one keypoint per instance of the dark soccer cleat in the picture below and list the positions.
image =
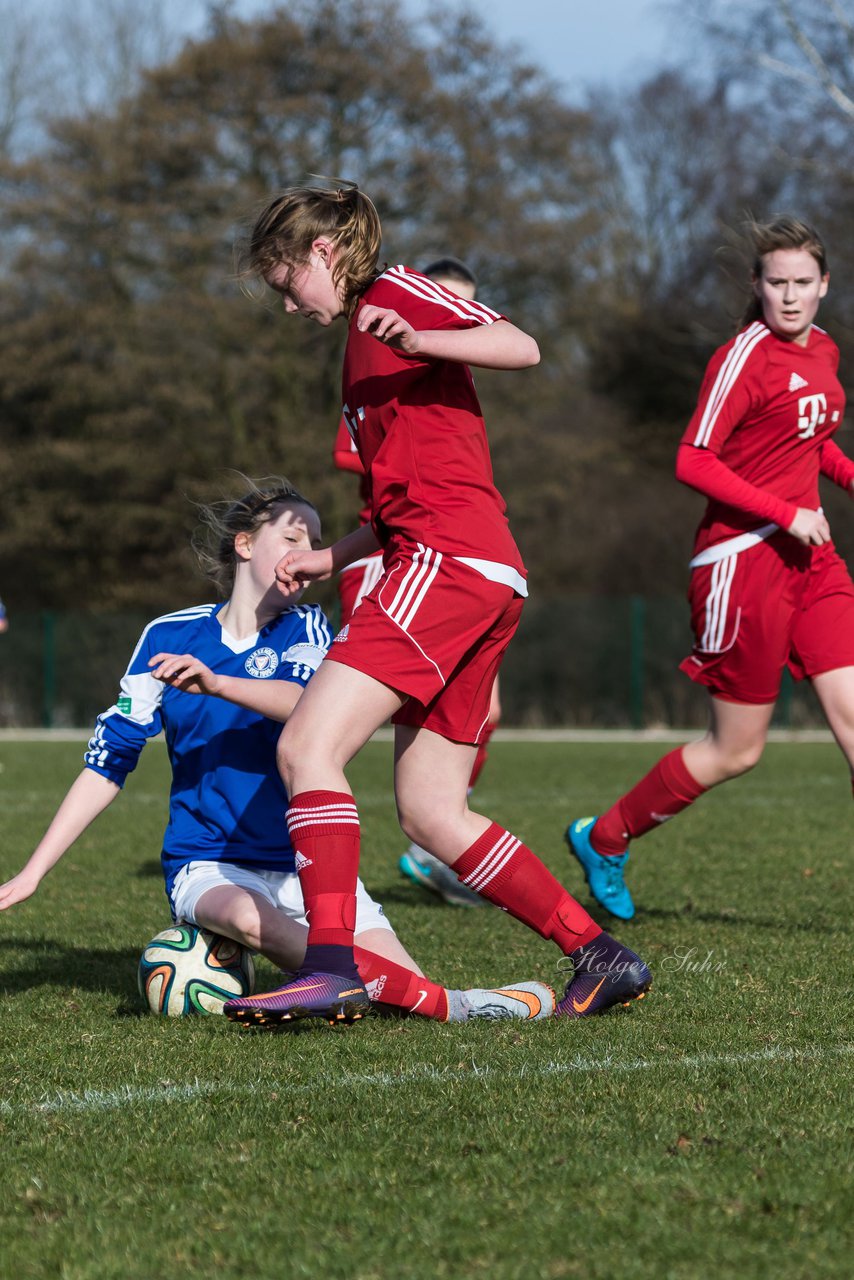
(606, 974)
(338, 1001)
(604, 875)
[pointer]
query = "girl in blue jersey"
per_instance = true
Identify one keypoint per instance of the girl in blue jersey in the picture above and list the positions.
(227, 859)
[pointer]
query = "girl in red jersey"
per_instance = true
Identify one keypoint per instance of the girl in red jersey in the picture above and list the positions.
(358, 579)
(423, 647)
(768, 590)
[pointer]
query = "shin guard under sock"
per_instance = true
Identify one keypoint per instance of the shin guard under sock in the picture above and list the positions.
(506, 872)
(666, 790)
(324, 831)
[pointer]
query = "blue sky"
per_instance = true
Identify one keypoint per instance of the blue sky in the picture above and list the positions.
(585, 42)
(578, 42)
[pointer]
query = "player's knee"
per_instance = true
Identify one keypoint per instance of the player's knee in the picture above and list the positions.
(287, 754)
(415, 820)
(741, 759)
(240, 921)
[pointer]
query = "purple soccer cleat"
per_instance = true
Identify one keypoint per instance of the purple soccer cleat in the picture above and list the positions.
(606, 974)
(339, 1001)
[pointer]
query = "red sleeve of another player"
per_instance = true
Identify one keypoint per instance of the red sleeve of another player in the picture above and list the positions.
(426, 304)
(728, 393)
(836, 465)
(344, 453)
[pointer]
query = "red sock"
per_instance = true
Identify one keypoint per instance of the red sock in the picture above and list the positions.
(390, 983)
(324, 831)
(666, 790)
(506, 872)
(481, 757)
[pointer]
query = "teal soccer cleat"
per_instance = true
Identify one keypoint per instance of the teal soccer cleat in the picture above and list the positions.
(604, 875)
(426, 870)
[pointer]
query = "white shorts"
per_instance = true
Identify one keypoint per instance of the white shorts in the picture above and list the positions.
(280, 888)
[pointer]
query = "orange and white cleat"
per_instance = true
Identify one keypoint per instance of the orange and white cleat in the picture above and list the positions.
(530, 1001)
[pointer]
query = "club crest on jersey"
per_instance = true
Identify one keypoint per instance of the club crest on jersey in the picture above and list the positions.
(262, 663)
(342, 635)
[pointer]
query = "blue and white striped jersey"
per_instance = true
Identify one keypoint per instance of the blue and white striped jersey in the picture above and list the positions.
(227, 802)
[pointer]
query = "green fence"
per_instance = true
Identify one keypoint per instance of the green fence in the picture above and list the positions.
(585, 661)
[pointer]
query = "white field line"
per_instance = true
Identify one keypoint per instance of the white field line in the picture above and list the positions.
(96, 1100)
(503, 735)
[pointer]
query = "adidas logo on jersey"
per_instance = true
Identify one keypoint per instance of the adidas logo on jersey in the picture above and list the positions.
(301, 861)
(796, 382)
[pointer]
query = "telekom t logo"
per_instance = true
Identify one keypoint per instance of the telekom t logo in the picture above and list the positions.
(812, 411)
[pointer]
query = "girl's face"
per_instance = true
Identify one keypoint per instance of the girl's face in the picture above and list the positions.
(790, 289)
(295, 528)
(308, 289)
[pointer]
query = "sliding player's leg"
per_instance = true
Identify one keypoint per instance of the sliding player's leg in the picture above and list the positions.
(263, 910)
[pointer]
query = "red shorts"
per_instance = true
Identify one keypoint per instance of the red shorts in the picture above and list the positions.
(436, 630)
(774, 605)
(356, 581)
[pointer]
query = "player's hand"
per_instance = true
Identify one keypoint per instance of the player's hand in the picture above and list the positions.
(185, 673)
(18, 889)
(388, 327)
(810, 527)
(297, 569)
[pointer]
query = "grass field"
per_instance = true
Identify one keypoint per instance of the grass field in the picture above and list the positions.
(706, 1132)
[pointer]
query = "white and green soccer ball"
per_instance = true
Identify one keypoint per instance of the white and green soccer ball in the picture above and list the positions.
(186, 969)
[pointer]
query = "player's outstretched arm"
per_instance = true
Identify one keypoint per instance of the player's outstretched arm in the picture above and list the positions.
(487, 346)
(89, 795)
(274, 699)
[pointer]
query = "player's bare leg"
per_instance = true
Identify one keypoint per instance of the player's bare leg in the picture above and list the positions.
(431, 784)
(835, 691)
(431, 789)
(732, 745)
(254, 922)
(420, 865)
(339, 711)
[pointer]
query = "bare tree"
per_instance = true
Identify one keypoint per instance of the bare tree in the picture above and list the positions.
(810, 46)
(24, 78)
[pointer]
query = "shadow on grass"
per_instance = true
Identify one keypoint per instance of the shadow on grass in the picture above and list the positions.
(731, 919)
(151, 867)
(400, 894)
(51, 963)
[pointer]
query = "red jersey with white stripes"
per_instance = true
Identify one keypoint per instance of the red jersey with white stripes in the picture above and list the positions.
(767, 408)
(419, 431)
(345, 455)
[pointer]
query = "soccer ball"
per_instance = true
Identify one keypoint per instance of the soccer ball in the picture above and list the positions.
(186, 969)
